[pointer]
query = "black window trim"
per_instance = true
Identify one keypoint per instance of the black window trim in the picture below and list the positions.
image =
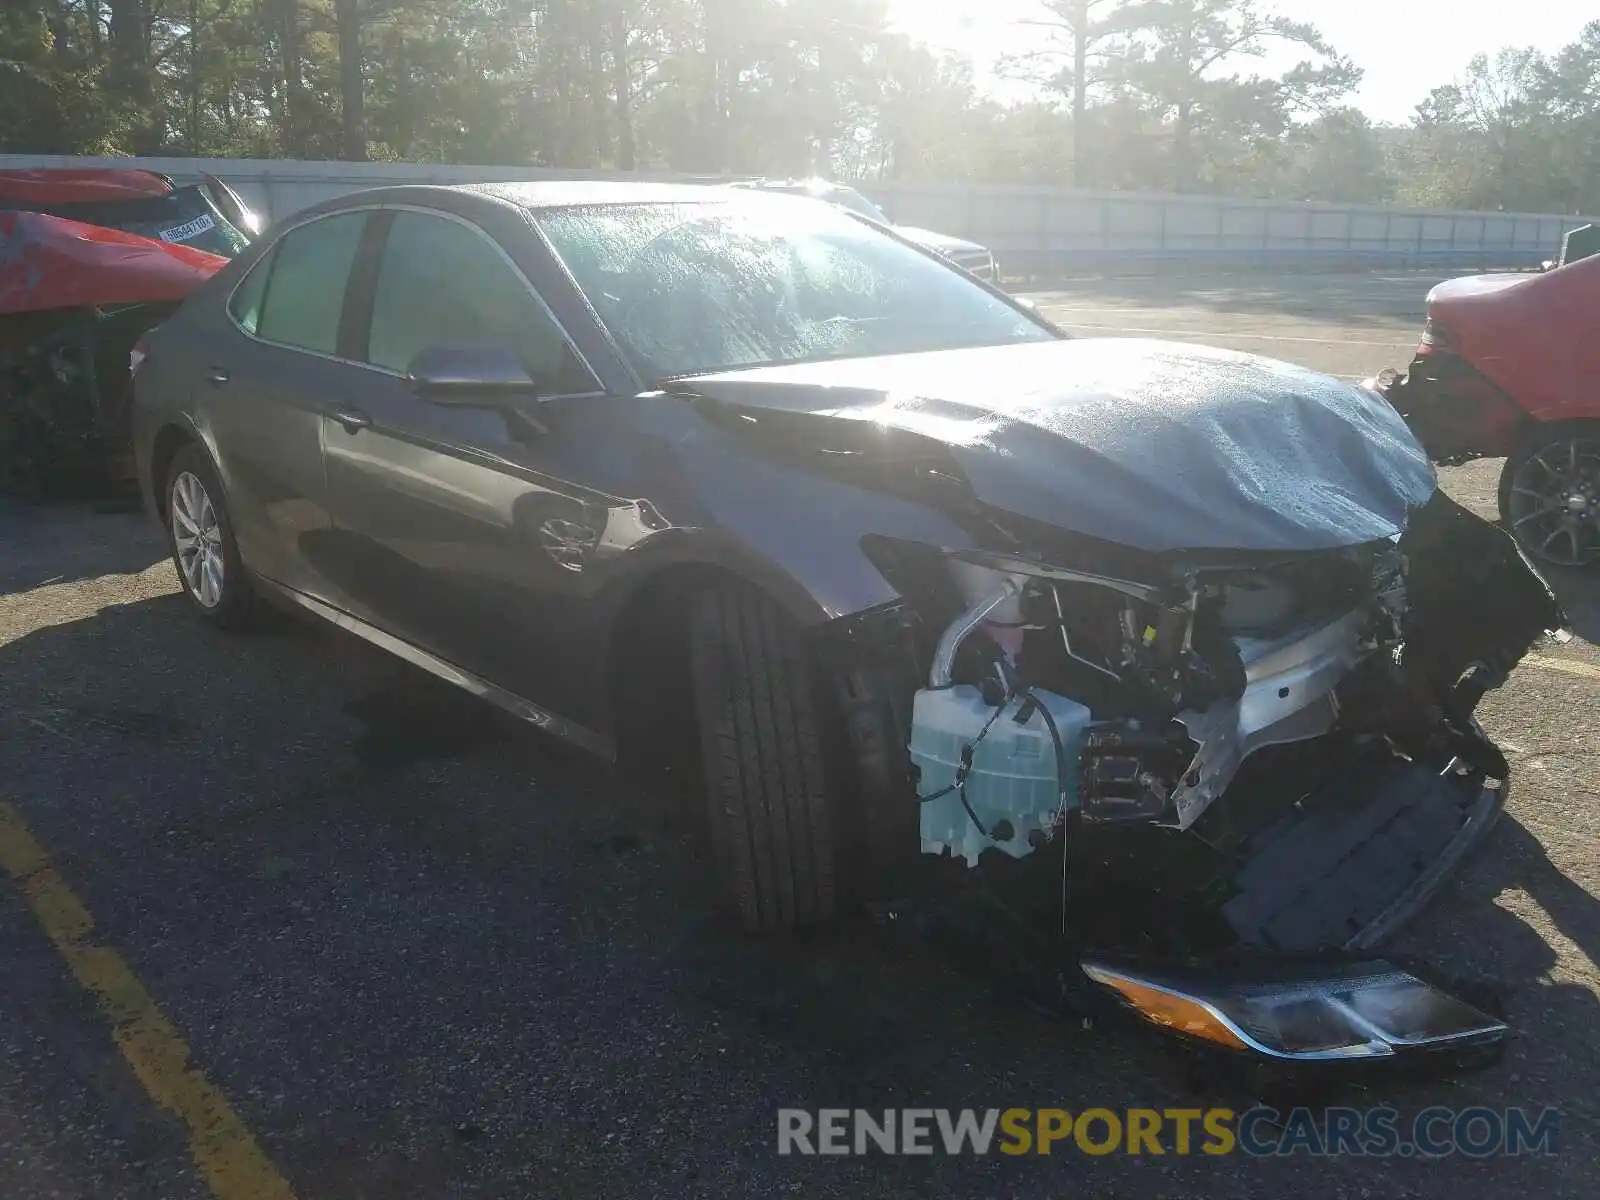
(355, 319)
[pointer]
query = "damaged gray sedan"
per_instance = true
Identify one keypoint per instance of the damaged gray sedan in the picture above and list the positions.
(1170, 653)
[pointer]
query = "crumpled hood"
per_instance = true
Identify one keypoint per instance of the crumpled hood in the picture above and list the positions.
(49, 262)
(1152, 445)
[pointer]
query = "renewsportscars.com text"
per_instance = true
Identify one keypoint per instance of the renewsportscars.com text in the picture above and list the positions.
(1258, 1132)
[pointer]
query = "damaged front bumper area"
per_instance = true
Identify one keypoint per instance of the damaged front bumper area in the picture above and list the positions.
(1455, 411)
(1234, 764)
(64, 392)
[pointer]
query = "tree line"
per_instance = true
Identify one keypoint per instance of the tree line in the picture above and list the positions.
(1129, 94)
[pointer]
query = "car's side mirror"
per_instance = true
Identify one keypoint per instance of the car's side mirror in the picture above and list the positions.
(470, 376)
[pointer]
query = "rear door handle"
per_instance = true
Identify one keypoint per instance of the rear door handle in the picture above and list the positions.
(353, 419)
(218, 376)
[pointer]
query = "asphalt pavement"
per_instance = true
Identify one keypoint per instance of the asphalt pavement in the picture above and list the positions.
(297, 917)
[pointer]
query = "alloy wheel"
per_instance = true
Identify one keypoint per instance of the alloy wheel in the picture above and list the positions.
(1554, 504)
(197, 535)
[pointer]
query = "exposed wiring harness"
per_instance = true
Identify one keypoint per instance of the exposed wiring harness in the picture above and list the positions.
(1061, 784)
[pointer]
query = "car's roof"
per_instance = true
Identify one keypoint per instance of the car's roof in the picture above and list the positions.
(561, 193)
(468, 199)
(553, 193)
(534, 196)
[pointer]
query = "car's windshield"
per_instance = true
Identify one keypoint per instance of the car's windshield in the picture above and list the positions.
(185, 215)
(696, 287)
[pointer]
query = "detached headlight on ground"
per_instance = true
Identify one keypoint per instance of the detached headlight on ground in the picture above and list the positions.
(1374, 1011)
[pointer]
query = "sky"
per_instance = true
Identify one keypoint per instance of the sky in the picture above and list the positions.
(1407, 47)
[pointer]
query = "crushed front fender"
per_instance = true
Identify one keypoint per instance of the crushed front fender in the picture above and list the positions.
(63, 399)
(1455, 411)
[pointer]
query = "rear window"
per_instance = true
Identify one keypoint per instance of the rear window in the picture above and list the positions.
(185, 217)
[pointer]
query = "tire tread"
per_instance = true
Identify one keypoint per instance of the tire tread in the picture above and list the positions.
(766, 782)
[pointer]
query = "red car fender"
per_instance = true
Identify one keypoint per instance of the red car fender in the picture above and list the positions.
(1532, 335)
(51, 263)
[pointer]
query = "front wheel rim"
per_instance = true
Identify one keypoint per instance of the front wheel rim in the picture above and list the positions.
(1554, 502)
(197, 539)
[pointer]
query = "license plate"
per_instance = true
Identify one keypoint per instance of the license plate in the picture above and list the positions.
(182, 233)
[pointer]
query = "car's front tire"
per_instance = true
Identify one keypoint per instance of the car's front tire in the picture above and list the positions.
(200, 538)
(759, 716)
(1550, 493)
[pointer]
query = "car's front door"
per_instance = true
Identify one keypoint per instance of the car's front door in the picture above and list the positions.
(459, 529)
(269, 376)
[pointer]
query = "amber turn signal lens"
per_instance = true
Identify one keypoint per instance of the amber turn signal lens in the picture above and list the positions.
(1177, 1012)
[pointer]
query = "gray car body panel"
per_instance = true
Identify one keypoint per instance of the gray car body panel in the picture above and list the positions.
(542, 542)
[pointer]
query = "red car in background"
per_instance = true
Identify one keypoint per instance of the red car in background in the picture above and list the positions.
(1509, 366)
(89, 260)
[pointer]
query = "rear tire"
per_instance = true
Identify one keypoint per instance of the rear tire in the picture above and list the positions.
(766, 782)
(1535, 484)
(200, 539)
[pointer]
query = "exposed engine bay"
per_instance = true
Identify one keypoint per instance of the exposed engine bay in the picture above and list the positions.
(1183, 647)
(1062, 698)
(1226, 774)
(1134, 700)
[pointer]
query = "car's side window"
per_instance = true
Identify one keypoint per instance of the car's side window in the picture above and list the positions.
(440, 281)
(304, 290)
(246, 303)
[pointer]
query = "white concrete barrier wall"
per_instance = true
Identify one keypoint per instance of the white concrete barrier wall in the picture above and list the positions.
(1032, 230)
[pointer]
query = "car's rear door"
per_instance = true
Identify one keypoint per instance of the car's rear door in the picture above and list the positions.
(461, 530)
(269, 378)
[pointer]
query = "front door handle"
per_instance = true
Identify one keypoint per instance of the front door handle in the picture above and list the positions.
(218, 376)
(353, 419)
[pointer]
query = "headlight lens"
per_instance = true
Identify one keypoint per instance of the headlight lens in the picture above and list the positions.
(1370, 1013)
(1410, 1012)
(1304, 1024)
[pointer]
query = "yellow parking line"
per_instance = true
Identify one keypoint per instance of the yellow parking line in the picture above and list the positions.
(1565, 666)
(225, 1152)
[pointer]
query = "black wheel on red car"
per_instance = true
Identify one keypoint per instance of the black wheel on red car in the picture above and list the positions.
(1550, 493)
(759, 714)
(200, 537)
